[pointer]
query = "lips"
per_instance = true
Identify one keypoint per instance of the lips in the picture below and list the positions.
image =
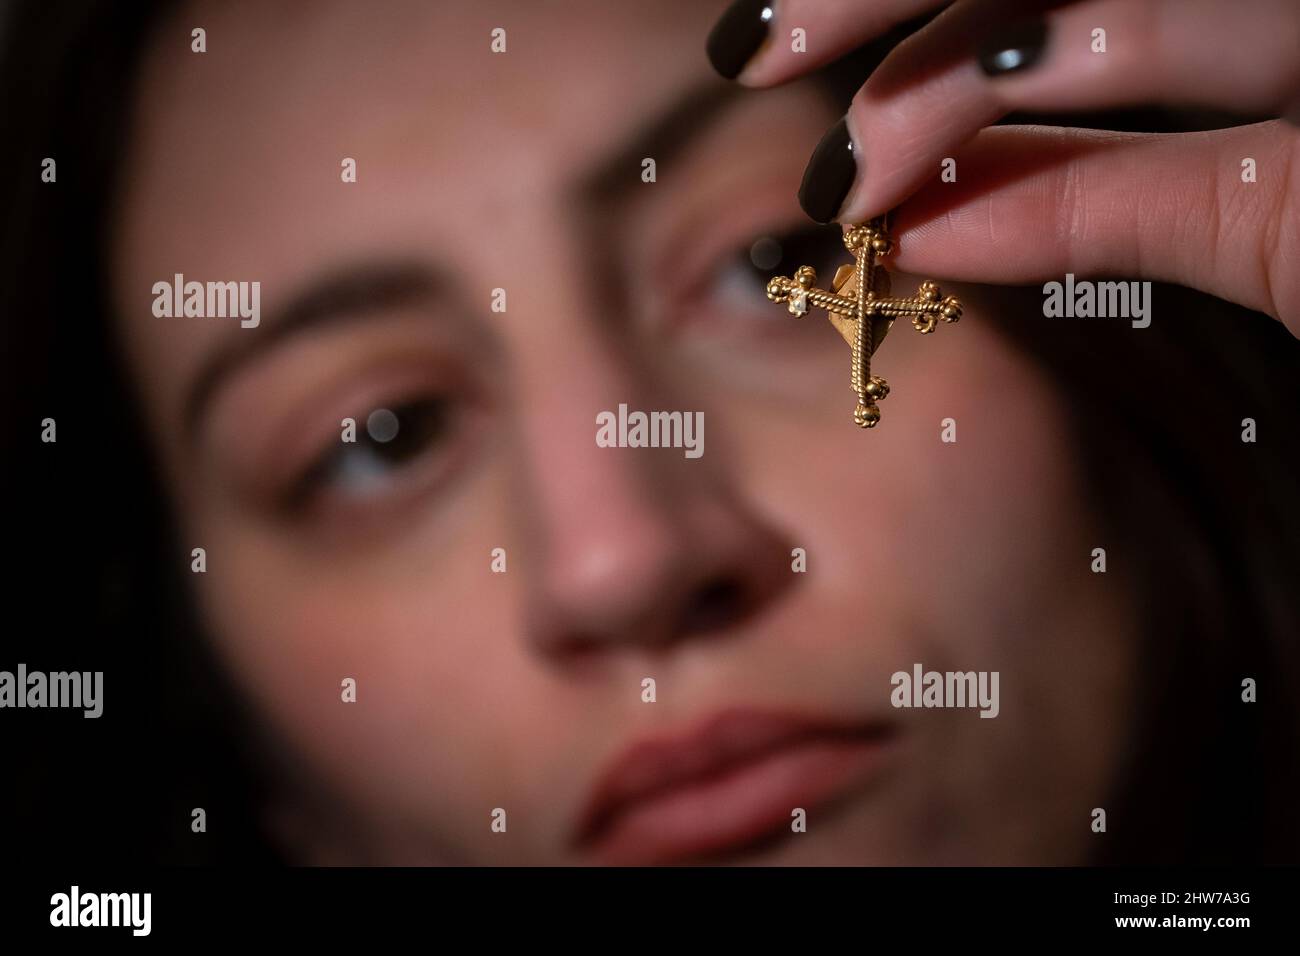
(734, 780)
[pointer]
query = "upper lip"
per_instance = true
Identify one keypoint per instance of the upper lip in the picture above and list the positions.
(728, 739)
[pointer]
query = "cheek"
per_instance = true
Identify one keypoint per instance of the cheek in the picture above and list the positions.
(991, 539)
(988, 510)
(938, 537)
(418, 626)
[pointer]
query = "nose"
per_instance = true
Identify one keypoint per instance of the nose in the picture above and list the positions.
(633, 547)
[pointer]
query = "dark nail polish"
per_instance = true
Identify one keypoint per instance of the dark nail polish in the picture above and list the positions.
(1017, 48)
(829, 175)
(738, 34)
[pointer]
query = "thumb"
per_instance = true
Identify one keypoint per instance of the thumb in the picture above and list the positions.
(1032, 203)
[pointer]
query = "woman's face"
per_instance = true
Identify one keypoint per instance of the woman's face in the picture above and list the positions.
(514, 680)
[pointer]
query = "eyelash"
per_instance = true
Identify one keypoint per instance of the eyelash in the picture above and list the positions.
(424, 423)
(766, 255)
(428, 420)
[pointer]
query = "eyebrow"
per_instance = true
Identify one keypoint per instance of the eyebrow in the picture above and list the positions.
(664, 137)
(340, 297)
(373, 287)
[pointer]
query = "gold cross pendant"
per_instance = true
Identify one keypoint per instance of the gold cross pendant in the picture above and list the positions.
(859, 307)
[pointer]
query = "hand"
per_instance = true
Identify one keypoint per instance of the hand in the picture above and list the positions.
(1032, 203)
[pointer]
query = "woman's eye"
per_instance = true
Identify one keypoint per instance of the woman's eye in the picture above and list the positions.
(739, 283)
(387, 440)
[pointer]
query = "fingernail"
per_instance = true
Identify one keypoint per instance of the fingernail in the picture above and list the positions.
(736, 37)
(1017, 48)
(830, 174)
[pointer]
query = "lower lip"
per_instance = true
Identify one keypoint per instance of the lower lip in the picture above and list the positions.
(740, 805)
